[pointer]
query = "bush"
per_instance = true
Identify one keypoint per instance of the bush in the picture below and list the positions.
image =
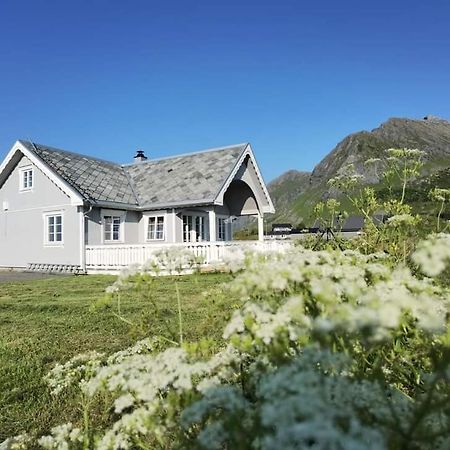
(328, 350)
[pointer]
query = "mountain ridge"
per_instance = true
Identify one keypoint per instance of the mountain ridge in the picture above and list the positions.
(295, 192)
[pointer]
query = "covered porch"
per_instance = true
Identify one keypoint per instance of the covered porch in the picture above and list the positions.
(215, 223)
(113, 258)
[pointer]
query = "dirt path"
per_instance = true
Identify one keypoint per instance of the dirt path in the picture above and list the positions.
(14, 275)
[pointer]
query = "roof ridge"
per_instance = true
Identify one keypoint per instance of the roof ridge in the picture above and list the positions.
(182, 155)
(48, 147)
(132, 187)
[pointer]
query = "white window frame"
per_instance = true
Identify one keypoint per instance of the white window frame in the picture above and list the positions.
(225, 224)
(113, 213)
(22, 171)
(203, 222)
(147, 223)
(46, 217)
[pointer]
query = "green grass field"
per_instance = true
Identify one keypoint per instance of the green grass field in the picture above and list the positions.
(48, 321)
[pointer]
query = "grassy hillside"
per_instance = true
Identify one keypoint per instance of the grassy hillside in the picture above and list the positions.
(284, 191)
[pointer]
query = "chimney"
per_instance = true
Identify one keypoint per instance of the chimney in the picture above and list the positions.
(139, 156)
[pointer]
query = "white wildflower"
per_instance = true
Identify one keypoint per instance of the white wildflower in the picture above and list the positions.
(19, 442)
(61, 436)
(123, 402)
(401, 220)
(433, 254)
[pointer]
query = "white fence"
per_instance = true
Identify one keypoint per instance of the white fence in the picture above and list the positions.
(116, 257)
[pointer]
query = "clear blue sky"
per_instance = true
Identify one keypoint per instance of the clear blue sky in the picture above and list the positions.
(292, 77)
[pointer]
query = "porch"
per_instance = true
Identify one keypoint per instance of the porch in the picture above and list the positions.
(113, 258)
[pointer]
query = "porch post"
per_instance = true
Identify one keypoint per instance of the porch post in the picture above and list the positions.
(260, 227)
(212, 225)
(174, 227)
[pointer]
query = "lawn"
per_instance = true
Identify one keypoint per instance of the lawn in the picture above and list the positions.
(47, 321)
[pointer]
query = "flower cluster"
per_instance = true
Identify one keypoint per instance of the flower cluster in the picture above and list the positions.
(20, 442)
(328, 350)
(79, 368)
(62, 436)
(400, 220)
(440, 195)
(322, 292)
(433, 254)
(165, 261)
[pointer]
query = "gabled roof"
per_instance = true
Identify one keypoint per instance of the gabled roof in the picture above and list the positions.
(94, 179)
(190, 179)
(193, 178)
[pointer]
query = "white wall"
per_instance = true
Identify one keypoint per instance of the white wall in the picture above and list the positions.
(22, 224)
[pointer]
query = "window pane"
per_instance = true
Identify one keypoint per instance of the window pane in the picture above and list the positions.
(185, 229)
(27, 179)
(107, 224)
(151, 228)
(111, 228)
(54, 228)
(116, 228)
(160, 228)
(221, 229)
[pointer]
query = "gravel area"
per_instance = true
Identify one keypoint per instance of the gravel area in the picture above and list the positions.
(15, 275)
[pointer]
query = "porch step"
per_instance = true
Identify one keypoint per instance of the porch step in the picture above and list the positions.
(54, 268)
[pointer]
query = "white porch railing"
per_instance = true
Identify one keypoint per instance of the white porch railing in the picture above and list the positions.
(116, 257)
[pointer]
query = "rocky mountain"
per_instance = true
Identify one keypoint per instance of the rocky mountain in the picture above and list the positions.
(431, 135)
(285, 190)
(295, 193)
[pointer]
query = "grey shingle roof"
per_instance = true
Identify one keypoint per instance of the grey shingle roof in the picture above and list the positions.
(93, 178)
(195, 178)
(187, 179)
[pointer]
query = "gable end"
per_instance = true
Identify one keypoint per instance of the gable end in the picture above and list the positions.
(12, 159)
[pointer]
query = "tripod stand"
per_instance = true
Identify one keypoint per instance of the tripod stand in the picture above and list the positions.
(329, 233)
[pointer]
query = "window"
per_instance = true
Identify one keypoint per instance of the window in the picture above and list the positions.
(53, 229)
(221, 224)
(26, 178)
(194, 229)
(111, 226)
(155, 228)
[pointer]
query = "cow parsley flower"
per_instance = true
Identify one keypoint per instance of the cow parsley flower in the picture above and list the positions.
(433, 254)
(61, 436)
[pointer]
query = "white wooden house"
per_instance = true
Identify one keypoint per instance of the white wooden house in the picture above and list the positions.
(63, 209)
